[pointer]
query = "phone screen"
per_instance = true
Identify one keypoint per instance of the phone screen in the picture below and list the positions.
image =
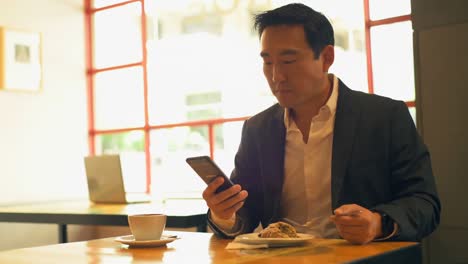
(205, 167)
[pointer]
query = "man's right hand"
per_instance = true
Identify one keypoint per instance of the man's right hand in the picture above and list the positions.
(226, 203)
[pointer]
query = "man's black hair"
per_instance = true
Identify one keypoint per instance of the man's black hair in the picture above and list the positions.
(317, 28)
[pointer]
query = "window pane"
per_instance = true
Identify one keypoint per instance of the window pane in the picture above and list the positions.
(227, 139)
(117, 36)
(102, 3)
(347, 18)
(214, 55)
(392, 58)
(130, 146)
(198, 82)
(380, 9)
(119, 98)
(171, 175)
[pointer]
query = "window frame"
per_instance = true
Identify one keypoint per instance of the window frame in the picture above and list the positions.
(368, 24)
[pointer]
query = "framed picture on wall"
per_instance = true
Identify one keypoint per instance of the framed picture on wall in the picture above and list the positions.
(20, 60)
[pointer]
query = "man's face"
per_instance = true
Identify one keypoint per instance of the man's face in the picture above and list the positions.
(294, 75)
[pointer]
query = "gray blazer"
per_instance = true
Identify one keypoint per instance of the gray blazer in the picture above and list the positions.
(378, 161)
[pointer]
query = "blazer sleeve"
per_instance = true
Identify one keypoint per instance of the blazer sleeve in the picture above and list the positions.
(246, 174)
(415, 206)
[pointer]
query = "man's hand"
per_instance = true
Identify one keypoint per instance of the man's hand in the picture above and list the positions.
(357, 224)
(226, 203)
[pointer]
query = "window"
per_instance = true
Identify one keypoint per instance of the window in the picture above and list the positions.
(164, 77)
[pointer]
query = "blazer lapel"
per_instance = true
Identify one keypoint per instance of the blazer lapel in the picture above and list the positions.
(273, 166)
(347, 115)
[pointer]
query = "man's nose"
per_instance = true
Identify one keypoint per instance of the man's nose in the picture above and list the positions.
(278, 74)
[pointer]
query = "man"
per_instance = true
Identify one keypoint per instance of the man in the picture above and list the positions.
(346, 163)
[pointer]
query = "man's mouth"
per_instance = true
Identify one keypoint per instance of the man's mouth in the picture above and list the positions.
(280, 91)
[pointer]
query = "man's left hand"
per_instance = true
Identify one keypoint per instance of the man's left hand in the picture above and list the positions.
(357, 224)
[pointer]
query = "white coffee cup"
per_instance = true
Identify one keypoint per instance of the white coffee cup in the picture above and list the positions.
(147, 226)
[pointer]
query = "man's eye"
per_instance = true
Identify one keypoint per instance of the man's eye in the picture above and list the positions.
(289, 61)
(267, 63)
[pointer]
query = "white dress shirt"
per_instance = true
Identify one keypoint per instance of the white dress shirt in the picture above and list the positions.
(306, 195)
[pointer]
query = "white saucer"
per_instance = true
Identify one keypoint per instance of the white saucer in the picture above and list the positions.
(130, 240)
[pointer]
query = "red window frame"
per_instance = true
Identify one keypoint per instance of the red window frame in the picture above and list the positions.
(375, 23)
(91, 71)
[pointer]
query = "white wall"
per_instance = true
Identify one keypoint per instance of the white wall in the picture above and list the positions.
(43, 136)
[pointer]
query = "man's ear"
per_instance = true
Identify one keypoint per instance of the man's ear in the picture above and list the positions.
(328, 57)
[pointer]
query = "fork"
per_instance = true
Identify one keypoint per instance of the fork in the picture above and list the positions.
(299, 227)
(351, 213)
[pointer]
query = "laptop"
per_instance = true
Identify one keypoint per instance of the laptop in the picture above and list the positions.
(106, 182)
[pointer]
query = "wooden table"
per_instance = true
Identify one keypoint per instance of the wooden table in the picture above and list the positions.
(206, 248)
(180, 213)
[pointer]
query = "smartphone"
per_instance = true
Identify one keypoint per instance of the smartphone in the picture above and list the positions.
(207, 169)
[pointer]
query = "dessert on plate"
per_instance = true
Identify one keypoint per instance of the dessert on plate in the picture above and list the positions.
(278, 230)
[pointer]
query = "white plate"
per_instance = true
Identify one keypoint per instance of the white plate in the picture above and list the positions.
(130, 240)
(253, 239)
